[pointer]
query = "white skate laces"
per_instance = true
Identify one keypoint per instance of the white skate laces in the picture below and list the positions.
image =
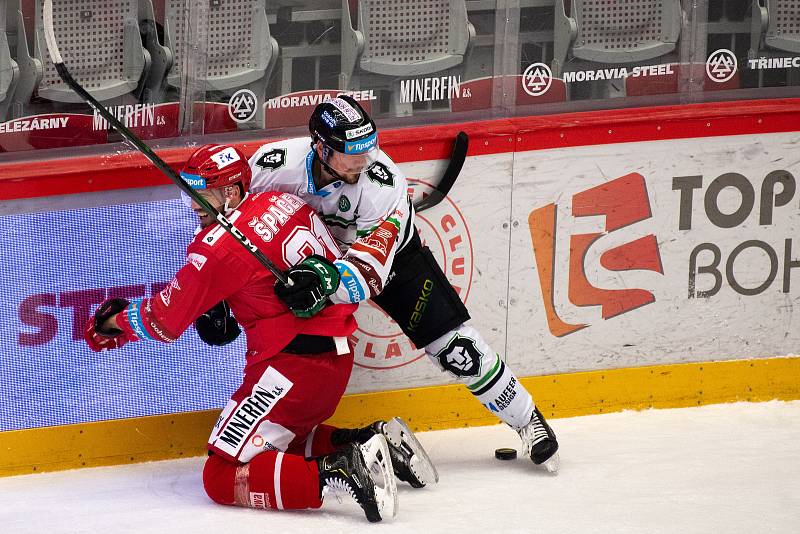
(532, 433)
(539, 442)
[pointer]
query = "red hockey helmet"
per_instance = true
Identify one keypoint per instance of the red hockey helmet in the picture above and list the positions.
(217, 166)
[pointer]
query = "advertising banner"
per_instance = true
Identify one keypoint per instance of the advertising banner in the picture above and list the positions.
(60, 265)
(570, 259)
(652, 253)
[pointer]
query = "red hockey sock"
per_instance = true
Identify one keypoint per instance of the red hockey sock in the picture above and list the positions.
(271, 480)
(319, 442)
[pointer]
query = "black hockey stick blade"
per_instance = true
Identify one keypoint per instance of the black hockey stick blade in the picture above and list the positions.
(64, 74)
(457, 158)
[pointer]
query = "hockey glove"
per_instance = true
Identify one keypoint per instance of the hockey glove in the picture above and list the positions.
(99, 338)
(313, 279)
(217, 326)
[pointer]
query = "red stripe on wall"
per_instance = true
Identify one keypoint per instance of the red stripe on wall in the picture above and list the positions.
(104, 172)
(652, 124)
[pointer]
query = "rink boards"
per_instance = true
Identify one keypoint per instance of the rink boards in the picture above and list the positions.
(609, 257)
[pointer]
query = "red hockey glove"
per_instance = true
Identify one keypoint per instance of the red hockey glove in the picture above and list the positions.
(99, 338)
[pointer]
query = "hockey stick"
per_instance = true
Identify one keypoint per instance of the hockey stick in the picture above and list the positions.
(129, 136)
(450, 174)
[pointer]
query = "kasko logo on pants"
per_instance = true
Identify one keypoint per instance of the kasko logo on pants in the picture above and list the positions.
(621, 202)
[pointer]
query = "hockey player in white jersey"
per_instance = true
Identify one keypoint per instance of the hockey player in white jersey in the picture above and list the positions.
(362, 196)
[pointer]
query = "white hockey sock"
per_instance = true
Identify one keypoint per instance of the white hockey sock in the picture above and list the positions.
(465, 354)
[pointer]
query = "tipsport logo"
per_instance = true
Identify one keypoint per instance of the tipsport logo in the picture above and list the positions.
(622, 202)
(358, 147)
(194, 181)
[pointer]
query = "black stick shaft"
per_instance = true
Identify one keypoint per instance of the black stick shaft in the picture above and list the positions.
(449, 176)
(148, 152)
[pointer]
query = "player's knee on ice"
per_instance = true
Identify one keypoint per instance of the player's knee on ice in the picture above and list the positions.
(218, 479)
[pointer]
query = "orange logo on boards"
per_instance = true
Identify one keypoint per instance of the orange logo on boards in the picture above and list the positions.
(623, 201)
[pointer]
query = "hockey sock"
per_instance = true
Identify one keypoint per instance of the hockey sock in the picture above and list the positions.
(343, 436)
(321, 441)
(464, 354)
(271, 480)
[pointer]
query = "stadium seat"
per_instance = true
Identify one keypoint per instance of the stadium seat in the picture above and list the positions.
(101, 45)
(30, 68)
(62, 129)
(774, 31)
(9, 70)
(614, 33)
(775, 24)
(240, 50)
(385, 40)
(162, 59)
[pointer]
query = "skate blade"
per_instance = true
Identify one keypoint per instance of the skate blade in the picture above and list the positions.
(397, 432)
(552, 464)
(376, 455)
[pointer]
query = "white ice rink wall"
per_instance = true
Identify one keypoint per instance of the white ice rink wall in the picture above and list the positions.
(615, 255)
(654, 252)
(616, 259)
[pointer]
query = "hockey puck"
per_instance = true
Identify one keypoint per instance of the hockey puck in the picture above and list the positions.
(505, 454)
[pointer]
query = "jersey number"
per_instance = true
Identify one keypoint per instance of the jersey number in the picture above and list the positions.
(304, 241)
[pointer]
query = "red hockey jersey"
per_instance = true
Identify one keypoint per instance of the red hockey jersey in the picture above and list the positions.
(286, 230)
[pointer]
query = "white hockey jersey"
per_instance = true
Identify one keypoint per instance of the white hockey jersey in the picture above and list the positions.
(370, 220)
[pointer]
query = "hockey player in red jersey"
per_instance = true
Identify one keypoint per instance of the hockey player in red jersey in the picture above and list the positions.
(269, 448)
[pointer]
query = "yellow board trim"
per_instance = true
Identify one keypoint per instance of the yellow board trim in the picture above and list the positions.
(179, 435)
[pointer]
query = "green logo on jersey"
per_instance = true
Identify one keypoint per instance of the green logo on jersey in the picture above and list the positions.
(344, 203)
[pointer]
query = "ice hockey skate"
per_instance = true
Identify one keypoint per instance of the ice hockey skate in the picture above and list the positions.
(539, 442)
(411, 463)
(364, 472)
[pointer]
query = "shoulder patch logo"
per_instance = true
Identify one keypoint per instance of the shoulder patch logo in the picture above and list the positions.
(272, 159)
(198, 260)
(381, 175)
(344, 203)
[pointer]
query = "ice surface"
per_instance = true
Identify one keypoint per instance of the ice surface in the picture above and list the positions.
(721, 469)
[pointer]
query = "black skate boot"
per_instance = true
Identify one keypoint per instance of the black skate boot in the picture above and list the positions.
(411, 463)
(351, 470)
(539, 442)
